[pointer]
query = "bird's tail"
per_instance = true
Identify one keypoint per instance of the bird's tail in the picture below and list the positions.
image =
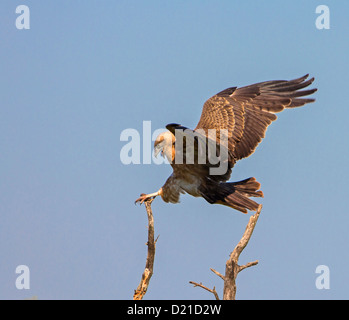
(236, 194)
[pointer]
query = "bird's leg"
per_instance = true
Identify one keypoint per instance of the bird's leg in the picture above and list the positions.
(145, 197)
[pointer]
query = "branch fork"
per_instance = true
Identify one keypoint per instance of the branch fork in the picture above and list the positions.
(232, 268)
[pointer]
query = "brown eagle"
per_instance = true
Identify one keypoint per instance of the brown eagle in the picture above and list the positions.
(233, 122)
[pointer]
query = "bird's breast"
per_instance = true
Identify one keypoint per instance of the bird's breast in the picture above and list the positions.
(189, 178)
(190, 185)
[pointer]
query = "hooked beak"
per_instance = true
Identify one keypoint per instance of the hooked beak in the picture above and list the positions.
(157, 150)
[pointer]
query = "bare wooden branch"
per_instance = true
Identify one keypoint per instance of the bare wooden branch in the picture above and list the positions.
(247, 265)
(232, 268)
(203, 287)
(217, 273)
(149, 265)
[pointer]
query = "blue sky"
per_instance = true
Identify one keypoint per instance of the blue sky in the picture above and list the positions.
(87, 70)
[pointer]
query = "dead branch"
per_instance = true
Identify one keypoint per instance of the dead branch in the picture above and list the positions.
(148, 271)
(217, 273)
(247, 265)
(203, 287)
(232, 268)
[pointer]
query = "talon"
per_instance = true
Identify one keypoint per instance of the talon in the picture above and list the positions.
(144, 197)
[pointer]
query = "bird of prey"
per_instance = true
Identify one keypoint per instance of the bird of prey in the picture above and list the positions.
(233, 122)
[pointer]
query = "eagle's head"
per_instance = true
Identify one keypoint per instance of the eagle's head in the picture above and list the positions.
(164, 143)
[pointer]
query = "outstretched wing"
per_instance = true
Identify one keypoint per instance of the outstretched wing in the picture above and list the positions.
(246, 112)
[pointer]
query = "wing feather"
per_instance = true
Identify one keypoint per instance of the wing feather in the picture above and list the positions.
(247, 112)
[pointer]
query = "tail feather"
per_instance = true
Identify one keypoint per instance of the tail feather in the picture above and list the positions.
(248, 186)
(236, 194)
